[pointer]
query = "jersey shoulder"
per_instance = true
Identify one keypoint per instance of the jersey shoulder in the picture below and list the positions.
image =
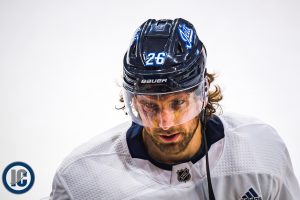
(100, 169)
(251, 146)
(246, 125)
(109, 142)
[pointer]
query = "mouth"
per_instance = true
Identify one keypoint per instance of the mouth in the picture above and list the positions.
(169, 138)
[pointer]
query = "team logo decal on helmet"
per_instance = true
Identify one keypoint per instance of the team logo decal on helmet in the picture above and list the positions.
(160, 27)
(186, 35)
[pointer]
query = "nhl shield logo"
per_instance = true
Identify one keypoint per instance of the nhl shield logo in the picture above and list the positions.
(183, 175)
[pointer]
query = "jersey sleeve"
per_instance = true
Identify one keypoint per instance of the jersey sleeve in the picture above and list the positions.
(59, 189)
(290, 187)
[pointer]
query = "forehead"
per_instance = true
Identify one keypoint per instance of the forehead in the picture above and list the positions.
(163, 97)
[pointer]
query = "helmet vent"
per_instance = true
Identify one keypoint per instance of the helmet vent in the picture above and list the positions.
(179, 49)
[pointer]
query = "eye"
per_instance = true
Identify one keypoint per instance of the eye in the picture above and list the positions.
(150, 107)
(177, 103)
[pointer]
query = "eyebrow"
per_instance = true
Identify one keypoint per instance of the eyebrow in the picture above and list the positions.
(145, 98)
(143, 101)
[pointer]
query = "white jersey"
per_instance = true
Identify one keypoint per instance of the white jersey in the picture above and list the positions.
(248, 160)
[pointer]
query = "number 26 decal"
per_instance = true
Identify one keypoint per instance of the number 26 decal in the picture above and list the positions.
(154, 59)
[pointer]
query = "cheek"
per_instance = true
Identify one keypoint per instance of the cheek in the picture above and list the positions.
(191, 125)
(149, 130)
(148, 120)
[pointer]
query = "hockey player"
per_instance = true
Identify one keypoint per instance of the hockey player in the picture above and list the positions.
(176, 146)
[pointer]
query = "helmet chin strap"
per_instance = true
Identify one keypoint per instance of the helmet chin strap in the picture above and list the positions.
(203, 121)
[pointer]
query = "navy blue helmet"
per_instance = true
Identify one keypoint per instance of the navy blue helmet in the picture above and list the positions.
(165, 56)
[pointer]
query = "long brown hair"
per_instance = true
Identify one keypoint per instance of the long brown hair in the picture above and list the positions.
(214, 96)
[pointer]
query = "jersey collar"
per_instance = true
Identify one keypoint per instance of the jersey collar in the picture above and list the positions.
(137, 149)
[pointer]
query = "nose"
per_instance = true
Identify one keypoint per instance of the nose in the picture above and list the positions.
(166, 119)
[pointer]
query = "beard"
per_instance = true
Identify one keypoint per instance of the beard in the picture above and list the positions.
(185, 131)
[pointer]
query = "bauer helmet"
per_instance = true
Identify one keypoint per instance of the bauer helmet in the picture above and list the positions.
(164, 73)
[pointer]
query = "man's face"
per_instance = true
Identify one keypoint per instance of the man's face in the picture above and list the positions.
(169, 120)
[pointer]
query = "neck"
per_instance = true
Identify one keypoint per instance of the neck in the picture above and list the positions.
(172, 158)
